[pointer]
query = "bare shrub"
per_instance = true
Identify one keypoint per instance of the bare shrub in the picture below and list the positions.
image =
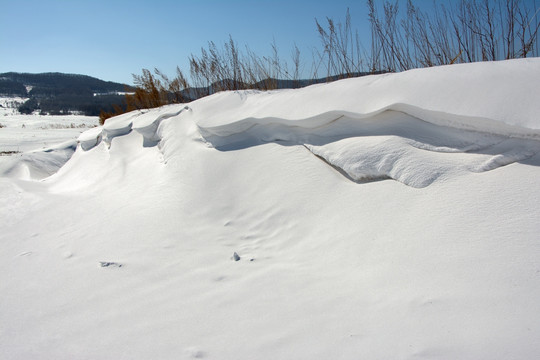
(469, 31)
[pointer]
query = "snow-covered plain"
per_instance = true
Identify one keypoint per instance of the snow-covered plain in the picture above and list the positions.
(385, 217)
(26, 137)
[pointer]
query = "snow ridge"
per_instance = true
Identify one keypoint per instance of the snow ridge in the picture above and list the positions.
(367, 128)
(385, 145)
(440, 118)
(375, 127)
(145, 123)
(414, 127)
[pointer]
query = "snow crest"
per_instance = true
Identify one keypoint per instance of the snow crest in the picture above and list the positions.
(412, 127)
(145, 123)
(387, 145)
(415, 127)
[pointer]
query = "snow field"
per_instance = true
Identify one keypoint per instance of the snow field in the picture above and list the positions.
(36, 146)
(439, 262)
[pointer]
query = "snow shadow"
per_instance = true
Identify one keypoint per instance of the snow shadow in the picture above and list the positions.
(387, 145)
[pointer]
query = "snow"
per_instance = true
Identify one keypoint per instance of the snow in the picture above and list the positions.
(489, 97)
(9, 104)
(386, 217)
(39, 144)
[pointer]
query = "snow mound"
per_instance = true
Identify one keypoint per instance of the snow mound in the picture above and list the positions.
(413, 127)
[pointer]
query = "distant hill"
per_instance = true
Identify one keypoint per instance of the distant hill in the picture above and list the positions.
(59, 93)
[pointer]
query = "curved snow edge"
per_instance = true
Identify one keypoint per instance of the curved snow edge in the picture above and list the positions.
(462, 122)
(147, 126)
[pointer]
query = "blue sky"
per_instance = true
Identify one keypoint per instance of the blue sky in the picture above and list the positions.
(111, 39)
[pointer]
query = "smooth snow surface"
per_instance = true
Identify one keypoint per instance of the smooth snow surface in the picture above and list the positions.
(384, 217)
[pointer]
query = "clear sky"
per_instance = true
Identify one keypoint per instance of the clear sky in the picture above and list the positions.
(111, 39)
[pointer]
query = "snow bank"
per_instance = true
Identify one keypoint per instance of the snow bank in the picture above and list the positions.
(496, 97)
(415, 127)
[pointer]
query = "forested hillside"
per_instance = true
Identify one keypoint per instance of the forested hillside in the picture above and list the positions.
(58, 93)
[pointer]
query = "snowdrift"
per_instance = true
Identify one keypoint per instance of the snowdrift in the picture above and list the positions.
(385, 217)
(414, 127)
